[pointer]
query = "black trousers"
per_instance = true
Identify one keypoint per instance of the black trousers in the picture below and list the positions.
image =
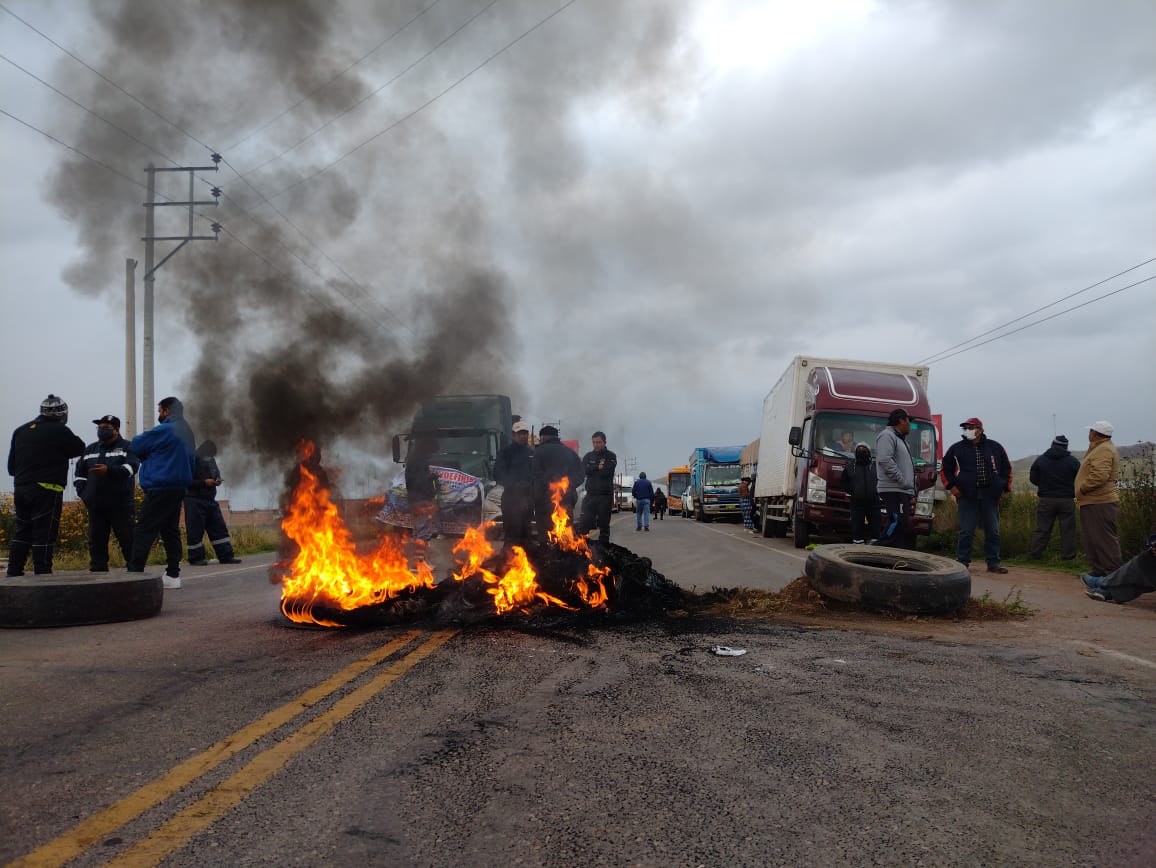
(897, 530)
(596, 513)
(516, 515)
(37, 525)
(204, 516)
(160, 514)
(101, 522)
(865, 516)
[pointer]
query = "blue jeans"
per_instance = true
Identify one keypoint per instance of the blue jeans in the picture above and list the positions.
(642, 508)
(973, 511)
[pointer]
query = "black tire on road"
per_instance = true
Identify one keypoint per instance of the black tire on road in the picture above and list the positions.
(881, 577)
(70, 600)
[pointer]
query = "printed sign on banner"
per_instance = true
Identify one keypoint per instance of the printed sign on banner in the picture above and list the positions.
(459, 499)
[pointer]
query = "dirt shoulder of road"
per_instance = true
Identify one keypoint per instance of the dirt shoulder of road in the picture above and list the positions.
(1060, 614)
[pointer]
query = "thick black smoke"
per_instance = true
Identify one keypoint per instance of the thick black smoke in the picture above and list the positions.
(292, 345)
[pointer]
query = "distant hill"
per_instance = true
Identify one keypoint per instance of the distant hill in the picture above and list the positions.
(1136, 459)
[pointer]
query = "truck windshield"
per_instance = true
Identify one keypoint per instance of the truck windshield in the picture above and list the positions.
(723, 474)
(835, 435)
(678, 484)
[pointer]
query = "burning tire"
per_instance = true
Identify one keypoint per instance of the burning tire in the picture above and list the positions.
(876, 576)
(65, 600)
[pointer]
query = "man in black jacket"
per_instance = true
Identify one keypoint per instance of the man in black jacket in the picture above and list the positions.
(1054, 475)
(512, 472)
(861, 482)
(38, 459)
(105, 479)
(599, 465)
(203, 513)
(976, 470)
(553, 461)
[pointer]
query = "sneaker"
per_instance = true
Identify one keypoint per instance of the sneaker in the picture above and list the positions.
(996, 568)
(1100, 595)
(199, 563)
(1092, 583)
(637, 529)
(646, 529)
(171, 582)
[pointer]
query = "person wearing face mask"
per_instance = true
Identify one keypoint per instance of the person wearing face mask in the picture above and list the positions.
(38, 461)
(168, 456)
(976, 470)
(860, 480)
(105, 479)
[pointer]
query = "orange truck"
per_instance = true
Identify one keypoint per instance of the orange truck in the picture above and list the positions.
(676, 482)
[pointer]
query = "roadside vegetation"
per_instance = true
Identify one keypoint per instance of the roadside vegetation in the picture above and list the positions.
(72, 545)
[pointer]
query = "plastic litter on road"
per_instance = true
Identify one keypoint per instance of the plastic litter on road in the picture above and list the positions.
(724, 651)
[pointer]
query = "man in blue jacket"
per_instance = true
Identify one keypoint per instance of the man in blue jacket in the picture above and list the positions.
(976, 470)
(168, 454)
(643, 493)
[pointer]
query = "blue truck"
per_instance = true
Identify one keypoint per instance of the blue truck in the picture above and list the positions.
(715, 472)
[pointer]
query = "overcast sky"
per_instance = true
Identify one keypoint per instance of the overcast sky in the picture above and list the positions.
(630, 218)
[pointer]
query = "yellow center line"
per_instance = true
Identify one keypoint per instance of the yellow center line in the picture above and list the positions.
(74, 842)
(217, 802)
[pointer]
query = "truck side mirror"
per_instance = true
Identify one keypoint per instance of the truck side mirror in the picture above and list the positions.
(796, 436)
(494, 445)
(397, 449)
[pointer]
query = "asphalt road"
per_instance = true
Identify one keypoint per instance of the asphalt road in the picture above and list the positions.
(215, 734)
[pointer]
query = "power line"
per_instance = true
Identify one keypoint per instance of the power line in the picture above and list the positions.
(143, 186)
(97, 72)
(934, 357)
(373, 93)
(322, 87)
(1045, 319)
(174, 162)
(428, 102)
(85, 108)
(318, 248)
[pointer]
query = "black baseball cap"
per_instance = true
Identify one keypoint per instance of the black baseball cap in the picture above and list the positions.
(107, 420)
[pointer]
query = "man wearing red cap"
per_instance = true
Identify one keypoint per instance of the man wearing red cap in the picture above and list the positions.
(976, 470)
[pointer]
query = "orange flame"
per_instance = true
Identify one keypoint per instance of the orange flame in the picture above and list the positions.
(328, 572)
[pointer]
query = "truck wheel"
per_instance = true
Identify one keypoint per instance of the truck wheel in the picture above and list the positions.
(70, 599)
(882, 577)
(699, 513)
(802, 532)
(765, 524)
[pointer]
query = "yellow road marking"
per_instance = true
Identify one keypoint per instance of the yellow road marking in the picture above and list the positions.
(217, 802)
(74, 842)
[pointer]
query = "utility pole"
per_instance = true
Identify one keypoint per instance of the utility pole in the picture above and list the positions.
(150, 238)
(129, 348)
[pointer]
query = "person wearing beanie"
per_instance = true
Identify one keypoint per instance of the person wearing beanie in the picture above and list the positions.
(977, 472)
(1098, 500)
(1054, 475)
(38, 460)
(553, 461)
(168, 456)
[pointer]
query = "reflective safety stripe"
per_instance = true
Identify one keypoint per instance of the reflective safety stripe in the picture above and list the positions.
(51, 486)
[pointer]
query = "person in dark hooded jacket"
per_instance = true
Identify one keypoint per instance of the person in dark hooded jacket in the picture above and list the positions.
(203, 513)
(1054, 475)
(553, 461)
(861, 482)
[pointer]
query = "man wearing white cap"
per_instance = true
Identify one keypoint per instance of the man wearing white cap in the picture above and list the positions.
(512, 472)
(1099, 500)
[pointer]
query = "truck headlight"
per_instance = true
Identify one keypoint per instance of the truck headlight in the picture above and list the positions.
(816, 488)
(925, 502)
